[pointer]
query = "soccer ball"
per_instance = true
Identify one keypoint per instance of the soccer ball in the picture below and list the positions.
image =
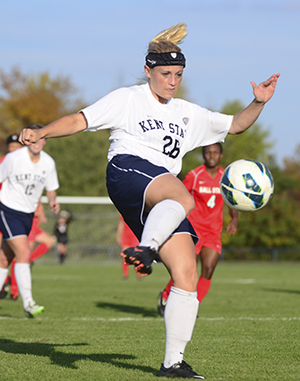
(246, 185)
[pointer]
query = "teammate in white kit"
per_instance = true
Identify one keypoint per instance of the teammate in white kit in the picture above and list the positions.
(150, 133)
(24, 174)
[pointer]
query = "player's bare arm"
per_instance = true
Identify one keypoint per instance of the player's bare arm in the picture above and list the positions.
(262, 94)
(231, 228)
(54, 205)
(68, 125)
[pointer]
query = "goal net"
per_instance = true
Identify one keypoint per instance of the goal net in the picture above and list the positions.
(92, 232)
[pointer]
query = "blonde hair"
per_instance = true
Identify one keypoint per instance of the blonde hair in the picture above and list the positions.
(167, 40)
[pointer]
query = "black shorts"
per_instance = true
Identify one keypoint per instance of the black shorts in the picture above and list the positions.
(14, 223)
(127, 178)
(62, 238)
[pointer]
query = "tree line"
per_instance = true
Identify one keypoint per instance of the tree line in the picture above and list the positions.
(81, 159)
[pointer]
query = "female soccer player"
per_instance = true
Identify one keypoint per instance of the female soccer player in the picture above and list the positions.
(150, 133)
(24, 175)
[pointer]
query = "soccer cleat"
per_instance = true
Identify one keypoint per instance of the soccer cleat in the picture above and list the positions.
(33, 309)
(141, 257)
(5, 289)
(161, 305)
(3, 293)
(179, 370)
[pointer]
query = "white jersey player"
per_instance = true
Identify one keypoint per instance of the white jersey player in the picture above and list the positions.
(24, 175)
(150, 133)
(24, 181)
(162, 134)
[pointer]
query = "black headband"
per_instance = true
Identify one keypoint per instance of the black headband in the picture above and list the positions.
(165, 59)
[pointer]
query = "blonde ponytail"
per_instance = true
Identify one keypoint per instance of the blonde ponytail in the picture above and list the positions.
(167, 40)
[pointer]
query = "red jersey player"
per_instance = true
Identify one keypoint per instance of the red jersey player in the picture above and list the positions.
(203, 183)
(125, 238)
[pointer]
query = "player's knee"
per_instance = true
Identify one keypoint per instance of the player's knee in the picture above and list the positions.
(4, 263)
(207, 271)
(23, 257)
(189, 279)
(50, 242)
(189, 204)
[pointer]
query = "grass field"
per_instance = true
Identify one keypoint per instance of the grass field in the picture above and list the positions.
(96, 326)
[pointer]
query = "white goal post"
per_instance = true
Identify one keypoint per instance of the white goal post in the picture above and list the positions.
(79, 200)
(92, 232)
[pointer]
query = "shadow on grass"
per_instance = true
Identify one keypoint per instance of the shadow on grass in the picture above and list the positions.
(145, 312)
(68, 360)
(281, 290)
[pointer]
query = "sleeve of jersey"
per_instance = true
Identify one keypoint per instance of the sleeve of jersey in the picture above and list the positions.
(5, 169)
(207, 127)
(109, 111)
(52, 180)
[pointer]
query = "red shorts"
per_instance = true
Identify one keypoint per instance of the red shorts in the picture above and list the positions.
(128, 237)
(210, 240)
(35, 229)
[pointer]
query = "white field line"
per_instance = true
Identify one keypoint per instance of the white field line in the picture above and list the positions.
(87, 319)
(235, 281)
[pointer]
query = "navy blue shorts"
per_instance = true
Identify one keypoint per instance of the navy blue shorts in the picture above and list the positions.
(127, 178)
(14, 223)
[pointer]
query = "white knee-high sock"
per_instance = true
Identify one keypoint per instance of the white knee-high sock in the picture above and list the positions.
(3, 275)
(162, 220)
(180, 316)
(23, 278)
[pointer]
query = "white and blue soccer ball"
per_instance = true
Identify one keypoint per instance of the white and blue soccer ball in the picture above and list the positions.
(246, 185)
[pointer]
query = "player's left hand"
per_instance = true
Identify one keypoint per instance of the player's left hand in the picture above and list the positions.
(55, 207)
(265, 90)
(28, 136)
(231, 227)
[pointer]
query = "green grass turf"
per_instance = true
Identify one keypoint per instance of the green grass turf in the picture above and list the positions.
(96, 326)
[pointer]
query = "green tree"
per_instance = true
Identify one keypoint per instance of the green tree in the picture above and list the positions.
(33, 98)
(81, 162)
(80, 159)
(252, 144)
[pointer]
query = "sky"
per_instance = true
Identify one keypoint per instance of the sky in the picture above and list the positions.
(101, 45)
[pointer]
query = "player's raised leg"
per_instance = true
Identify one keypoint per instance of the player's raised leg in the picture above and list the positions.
(168, 202)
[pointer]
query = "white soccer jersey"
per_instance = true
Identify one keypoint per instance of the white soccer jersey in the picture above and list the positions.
(160, 133)
(23, 181)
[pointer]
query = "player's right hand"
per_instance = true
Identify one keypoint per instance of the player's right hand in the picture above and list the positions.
(28, 136)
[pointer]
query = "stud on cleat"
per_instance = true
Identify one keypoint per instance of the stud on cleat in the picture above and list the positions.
(126, 258)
